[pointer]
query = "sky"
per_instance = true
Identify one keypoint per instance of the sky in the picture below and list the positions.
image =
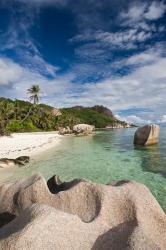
(87, 52)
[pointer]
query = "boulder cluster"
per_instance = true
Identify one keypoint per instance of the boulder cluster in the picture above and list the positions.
(145, 136)
(79, 129)
(79, 215)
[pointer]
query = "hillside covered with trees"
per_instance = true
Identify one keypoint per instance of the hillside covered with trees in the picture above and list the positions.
(23, 116)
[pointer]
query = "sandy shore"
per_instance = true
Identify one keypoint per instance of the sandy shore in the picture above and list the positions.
(29, 144)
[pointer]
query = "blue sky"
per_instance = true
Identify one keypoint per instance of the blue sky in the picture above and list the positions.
(87, 52)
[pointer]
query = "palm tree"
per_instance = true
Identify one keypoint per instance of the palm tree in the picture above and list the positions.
(34, 92)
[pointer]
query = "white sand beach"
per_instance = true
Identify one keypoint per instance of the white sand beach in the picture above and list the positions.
(29, 144)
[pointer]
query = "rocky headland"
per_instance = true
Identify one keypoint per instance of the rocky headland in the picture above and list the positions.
(35, 214)
(20, 116)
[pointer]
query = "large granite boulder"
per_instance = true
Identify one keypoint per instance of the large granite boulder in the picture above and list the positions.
(65, 131)
(80, 215)
(147, 135)
(83, 129)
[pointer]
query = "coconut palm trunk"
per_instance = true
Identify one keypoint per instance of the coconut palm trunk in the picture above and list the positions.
(33, 93)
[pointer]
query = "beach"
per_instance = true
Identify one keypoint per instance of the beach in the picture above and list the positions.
(30, 144)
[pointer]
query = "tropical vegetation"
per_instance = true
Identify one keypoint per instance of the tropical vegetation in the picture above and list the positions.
(34, 92)
(22, 116)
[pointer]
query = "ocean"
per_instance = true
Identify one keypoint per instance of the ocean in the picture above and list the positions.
(104, 157)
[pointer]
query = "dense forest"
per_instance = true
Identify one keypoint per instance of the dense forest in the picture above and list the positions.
(23, 116)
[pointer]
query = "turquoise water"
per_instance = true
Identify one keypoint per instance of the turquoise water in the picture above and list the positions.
(104, 157)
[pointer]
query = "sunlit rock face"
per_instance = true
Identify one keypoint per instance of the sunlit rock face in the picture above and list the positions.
(65, 131)
(83, 129)
(79, 129)
(147, 135)
(56, 112)
(35, 214)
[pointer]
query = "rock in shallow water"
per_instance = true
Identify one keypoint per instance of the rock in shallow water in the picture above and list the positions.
(20, 161)
(81, 215)
(83, 129)
(147, 135)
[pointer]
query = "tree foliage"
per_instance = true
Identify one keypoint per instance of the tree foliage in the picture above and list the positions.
(40, 117)
(33, 93)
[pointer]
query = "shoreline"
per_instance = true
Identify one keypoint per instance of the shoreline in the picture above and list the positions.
(29, 144)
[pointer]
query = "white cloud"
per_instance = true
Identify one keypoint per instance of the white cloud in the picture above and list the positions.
(99, 40)
(16, 79)
(124, 39)
(37, 63)
(144, 87)
(10, 72)
(156, 10)
(142, 17)
(134, 13)
(139, 11)
(133, 119)
(163, 119)
(147, 57)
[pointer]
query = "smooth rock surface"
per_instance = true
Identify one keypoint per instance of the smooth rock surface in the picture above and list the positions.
(65, 131)
(83, 129)
(147, 135)
(80, 215)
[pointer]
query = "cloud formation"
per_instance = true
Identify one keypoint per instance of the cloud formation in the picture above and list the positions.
(18, 79)
(156, 10)
(143, 87)
(10, 72)
(163, 119)
(119, 58)
(139, 11)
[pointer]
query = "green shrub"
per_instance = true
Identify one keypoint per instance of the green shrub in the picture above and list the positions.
(86, 115)
(17, 126)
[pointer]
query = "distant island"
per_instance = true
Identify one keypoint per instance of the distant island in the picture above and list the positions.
(23, 116)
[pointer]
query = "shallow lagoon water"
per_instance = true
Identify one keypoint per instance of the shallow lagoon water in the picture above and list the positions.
(104, 157)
